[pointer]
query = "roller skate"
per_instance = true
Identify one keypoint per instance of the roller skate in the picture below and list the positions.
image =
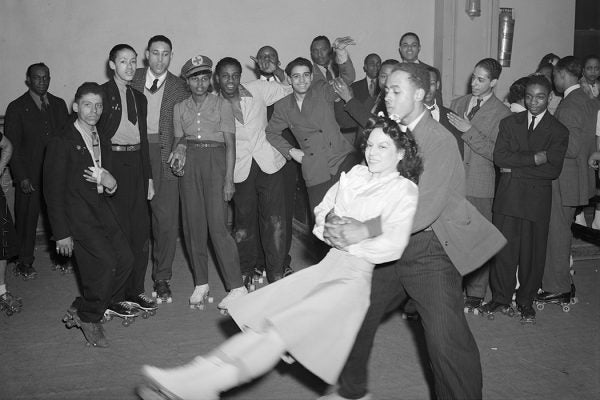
(258, 276)
(231, 296)
(200, 297)
(92, 331)
(472, 304)
(562, 299)
(409, 311)
(249, 282)
(162, 292)
(65, 269)
(10, 304)
(527, 314)
(490, 309)
(25, 270)
(122, 310)
(288, 270)
(144, 304)
(196, 380)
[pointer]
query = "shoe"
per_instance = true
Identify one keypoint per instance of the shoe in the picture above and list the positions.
(493, 307)
(26, 271)
(287, 271)
(336, 396)
(143, 301)
(549, 297)
(527, 313)
(472, 304)
(190, 381)
(200, 297)
(232, 296)
(92, 331)
(580, 219)
(162, 292)
(10, 304)
(123, 309)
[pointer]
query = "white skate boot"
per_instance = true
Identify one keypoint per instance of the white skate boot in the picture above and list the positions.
(200, 297)
(231, 296)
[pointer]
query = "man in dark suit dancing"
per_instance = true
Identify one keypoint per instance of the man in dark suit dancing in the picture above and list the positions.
(123, 123)
(529, 151)
(77, 184)
(31, 122)
(162, 90)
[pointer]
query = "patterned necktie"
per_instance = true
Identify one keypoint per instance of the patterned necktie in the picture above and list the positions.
(96, 152)
(131, 113)
(328, 75)
(532, 124)
(44, 104)
(474, 110)
(154, 86)
(372, 87)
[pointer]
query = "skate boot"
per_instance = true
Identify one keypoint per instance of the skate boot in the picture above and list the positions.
(472, 304)
(527, 314)
(92, 331)
(193, 381)
(231, 296)
(123, 310)
(144, 304)
(25, 270)
(490, 309)
(562, 299)
(10, 304)
(162, 292)
(200, 297)
(259, 275)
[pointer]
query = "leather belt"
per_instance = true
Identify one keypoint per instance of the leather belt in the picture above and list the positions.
(126, 147)
(203, 145)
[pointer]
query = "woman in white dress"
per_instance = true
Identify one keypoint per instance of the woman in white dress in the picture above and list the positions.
(314, 315)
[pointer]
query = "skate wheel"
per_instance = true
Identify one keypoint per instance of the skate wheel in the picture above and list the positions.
(404, 316)
(158, 300)
(210, 300)
(154, 294)
(9, 312)
(145, 315)
(252, 288)
(466, 310)
(126, 322)
(169, 300)
(491, 317)
(539, 306)
(566, 308)
(152, 312)
(574, 300)
(223, 312)
(475, 311)
(261, 280)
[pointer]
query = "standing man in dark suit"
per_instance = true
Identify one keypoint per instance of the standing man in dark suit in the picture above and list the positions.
(367, 89)
(478, 116)
(309, 113)
(77, 184)
(30, 122)
(162, 90)
(529, 151)
(123, 123)
(450, 238)
(576, 183)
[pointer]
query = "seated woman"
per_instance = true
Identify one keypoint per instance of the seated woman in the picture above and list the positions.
(314, 315)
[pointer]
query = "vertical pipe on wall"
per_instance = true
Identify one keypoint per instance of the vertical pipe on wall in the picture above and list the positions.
(506, 30)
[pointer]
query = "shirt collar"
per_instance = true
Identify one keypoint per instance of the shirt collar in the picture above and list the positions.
(484, 98)
(570, 89)
(433, 106)
(538, 117)
(244, 92)
(412, 125)
(150, 77)
(37, 99)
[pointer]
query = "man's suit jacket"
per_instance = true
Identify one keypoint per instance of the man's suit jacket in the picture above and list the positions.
(469, 239)
(526, 191)
(361, 91)
(455, 132)
(577, 181)
(348, 74)
(75, 208)
(111, 119)
(479, 143)
(175, 91)
(315, 129)
(30, 131)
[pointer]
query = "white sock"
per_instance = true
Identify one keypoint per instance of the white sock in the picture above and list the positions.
(2, 289)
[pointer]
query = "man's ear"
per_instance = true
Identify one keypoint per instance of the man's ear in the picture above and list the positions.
(420, 94)
(493, 82)
(147, 54)
(75, 107)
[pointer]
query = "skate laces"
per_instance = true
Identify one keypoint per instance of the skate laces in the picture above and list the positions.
(126, 305)
(144, 297)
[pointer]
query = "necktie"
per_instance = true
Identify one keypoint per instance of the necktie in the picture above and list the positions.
(328, 75)
(131, 114)
(154, 86)
(96, 152)
(372, 87)
(532, 124)
(44, 103)
(474, 110)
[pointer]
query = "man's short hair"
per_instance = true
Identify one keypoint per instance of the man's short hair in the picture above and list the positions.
(492, 66)
(227, 61)
(516, 92)
(36, 65)
(438, 76)
(590, 57)
(410, 34)
(321, 37)
(300, 61)
(390, 61)
(570, 64)
(112, 56)
(160, 38)
(371, 55)
(418, 74)
(89, 88)
(548, 59)
(538, 80)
